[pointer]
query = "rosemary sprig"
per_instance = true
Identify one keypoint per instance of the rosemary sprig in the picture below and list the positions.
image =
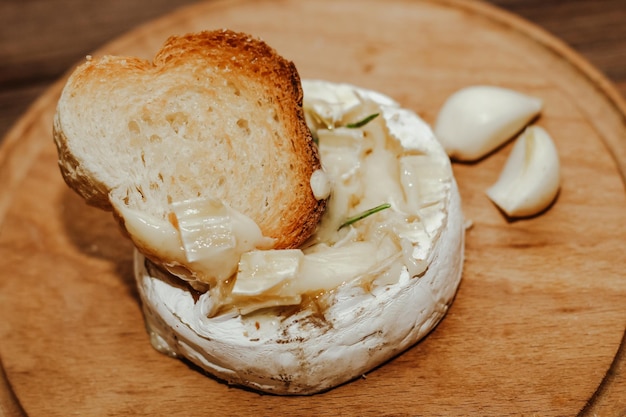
(366, 213)
(362, 122)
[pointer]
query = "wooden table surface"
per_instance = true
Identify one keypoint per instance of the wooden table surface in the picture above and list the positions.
(41, 39)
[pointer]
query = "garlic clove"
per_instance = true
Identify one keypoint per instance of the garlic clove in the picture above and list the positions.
(530, 179)
(476, 120)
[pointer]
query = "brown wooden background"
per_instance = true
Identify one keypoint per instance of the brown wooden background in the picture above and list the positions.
(41, 39)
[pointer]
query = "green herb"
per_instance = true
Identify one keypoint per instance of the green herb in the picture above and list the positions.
(362, 122)
(364, 214)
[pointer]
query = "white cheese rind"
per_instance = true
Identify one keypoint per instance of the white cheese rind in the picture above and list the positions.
(311, 351)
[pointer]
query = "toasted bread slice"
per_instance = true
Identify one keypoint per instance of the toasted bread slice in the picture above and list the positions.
(216, 114)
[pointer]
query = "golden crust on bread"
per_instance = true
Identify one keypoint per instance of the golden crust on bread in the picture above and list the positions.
(216, 114)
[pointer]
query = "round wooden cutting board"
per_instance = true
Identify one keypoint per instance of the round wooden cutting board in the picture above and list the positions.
(539, 318)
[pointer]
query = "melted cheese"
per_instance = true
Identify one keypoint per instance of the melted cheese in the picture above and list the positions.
(340, 334)
(204, 234)
(363, 167)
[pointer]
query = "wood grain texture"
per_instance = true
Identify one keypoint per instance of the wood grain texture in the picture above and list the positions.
(540, 314)
(41, 39)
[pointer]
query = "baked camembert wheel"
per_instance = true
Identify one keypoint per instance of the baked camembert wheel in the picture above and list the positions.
(377, 275)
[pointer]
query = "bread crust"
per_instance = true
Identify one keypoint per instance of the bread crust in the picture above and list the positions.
(290, 212)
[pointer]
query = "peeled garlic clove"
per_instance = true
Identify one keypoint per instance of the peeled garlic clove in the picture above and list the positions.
(476, 120)
(530, 178)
